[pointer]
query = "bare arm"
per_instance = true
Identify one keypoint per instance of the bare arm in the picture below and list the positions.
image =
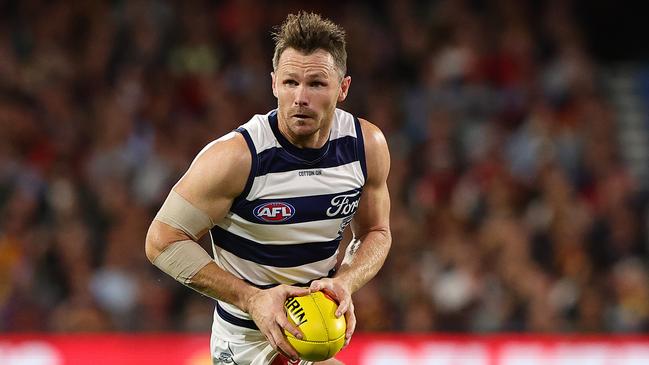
(214, 179)
(371, 227)
(371, 224)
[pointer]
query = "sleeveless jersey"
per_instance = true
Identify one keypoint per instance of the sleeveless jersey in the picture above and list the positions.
(286, 226)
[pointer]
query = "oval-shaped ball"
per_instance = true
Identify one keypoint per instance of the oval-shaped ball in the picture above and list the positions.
(314, 315)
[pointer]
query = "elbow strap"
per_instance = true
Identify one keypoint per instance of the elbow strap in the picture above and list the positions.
(182, 260)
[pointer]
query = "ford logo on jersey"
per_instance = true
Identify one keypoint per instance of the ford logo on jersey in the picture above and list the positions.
(344, 204)
(274, 212)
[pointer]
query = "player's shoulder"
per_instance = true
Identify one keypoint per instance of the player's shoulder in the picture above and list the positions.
(373, 137)
(377, 155)
(235, 147)
(222, 166)
(230, 148)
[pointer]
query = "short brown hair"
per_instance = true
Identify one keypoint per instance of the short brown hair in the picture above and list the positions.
(308, 32)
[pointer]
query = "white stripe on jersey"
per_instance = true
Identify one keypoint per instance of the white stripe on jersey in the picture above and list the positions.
(342, 129)
(278, 185)
(282, 234)
(261, 134)
(266, 275)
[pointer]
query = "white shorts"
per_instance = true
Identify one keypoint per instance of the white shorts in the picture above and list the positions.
(231, 344)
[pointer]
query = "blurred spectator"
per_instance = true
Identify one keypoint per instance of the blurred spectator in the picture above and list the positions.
(512, 208)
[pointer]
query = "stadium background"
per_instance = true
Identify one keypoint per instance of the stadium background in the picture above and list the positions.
(520, 161)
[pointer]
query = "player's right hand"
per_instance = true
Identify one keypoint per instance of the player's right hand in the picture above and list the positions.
(339, 290)
(266, 308)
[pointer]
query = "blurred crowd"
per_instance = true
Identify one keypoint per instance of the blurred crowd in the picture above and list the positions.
(511, 207)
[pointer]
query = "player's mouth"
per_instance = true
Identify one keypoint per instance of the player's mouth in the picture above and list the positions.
(301, 116)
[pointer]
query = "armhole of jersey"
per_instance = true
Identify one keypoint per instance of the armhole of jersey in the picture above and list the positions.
(253, 166)
(360, 147)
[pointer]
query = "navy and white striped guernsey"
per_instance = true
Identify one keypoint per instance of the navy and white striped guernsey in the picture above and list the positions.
(286, 225)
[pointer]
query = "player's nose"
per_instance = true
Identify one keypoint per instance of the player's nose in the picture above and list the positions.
(301, 96)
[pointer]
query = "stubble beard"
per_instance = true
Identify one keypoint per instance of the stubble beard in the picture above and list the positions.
(304, 132)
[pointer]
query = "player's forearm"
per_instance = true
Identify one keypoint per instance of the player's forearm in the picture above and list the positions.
(176, 254)
(217, 283)
(364, 258)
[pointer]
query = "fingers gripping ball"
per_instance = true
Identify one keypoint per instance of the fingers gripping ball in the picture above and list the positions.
(314, 315)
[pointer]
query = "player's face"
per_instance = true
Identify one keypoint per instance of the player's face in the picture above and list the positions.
(307, 88)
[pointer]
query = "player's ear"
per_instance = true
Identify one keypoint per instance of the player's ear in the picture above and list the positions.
(344, 88)
(272, 81)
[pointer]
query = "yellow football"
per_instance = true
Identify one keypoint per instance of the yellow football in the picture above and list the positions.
(314, 315)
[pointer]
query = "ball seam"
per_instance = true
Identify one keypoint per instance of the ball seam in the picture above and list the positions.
(324, 322)
(311, 341)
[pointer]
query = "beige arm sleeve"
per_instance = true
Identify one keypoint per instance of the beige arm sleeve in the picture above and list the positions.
(182, 260)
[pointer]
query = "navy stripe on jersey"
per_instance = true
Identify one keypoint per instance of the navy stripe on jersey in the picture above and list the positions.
(279, 160)
(273, 255)
(361, 147)
(338, 205)
(254, 165)
(231, 318)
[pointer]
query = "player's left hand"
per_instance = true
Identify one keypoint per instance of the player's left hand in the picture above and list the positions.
(341, 293)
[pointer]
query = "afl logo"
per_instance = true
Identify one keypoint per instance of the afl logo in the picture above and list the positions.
(274, 212)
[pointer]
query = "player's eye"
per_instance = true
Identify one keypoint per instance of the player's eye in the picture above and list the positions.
(317, 84)
(290, 82)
